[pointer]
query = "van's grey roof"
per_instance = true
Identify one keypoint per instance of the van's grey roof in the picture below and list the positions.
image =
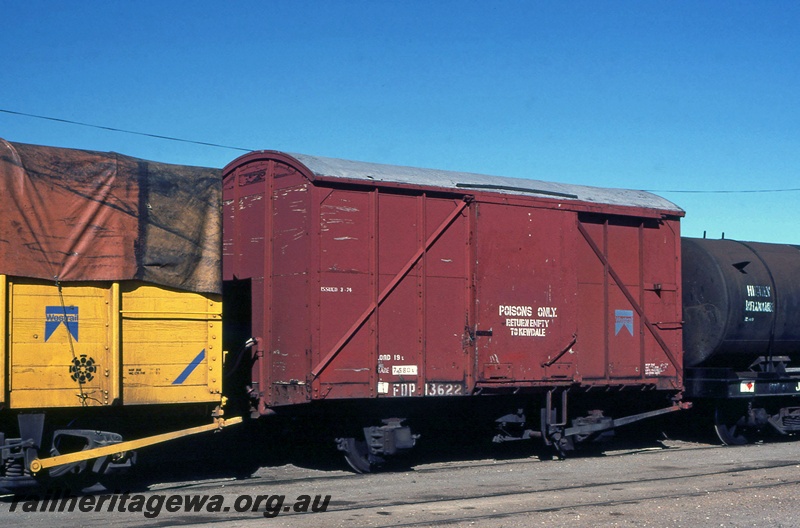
(376, 172)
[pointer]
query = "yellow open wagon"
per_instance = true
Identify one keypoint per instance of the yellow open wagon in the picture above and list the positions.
(110, 300)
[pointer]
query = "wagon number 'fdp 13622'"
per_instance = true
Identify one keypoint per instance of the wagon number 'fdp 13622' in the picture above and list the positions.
(443, 389)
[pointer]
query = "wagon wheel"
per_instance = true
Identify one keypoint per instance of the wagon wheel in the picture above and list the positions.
(357, 454)
(730, 425)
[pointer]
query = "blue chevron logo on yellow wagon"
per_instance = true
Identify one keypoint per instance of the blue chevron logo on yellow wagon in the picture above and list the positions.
(55, 316)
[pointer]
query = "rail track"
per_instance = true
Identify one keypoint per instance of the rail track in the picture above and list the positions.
(678, 484)
(669, 483)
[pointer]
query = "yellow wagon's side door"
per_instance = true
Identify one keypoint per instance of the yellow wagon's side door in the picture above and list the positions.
(63, 344)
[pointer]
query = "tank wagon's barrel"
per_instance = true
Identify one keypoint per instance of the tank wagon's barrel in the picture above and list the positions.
(741, 301)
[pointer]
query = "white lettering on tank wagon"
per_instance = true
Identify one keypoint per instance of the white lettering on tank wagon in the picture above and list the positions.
(759, 292)
(520, 322)
(758, 306)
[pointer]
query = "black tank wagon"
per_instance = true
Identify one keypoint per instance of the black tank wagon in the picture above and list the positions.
(741, 334)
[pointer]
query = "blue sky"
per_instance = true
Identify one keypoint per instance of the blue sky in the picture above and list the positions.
(656, 95)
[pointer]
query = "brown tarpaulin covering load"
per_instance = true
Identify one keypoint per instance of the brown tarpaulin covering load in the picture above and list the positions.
(75, 215)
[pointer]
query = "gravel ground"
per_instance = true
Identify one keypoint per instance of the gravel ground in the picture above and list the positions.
(673, 484)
